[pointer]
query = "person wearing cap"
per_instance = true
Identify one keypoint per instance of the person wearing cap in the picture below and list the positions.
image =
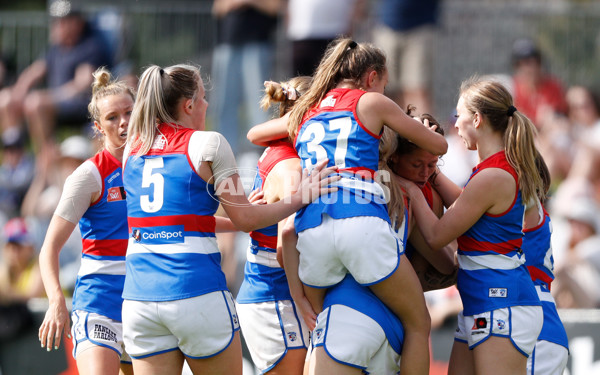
(93, 197)
(75, 51)
(19, 271)
(537, 94)
(16, 172)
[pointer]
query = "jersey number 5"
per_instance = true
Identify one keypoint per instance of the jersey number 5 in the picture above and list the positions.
(157, 181)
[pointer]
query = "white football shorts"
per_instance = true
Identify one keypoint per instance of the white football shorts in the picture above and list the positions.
(200, 327)
(270, 329)
(521, 324)
(548, 358)
(91, 329)
(364, 246)
(354, 339)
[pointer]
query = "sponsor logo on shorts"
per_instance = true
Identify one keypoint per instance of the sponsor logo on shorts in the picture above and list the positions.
(479, 326)
(292, 336)
(116, 194)
(159, 235)
(501, 324)
(497, 293)
(104, 333)
(79, 330)
(235, 319)
(480, 323)
(318, 333)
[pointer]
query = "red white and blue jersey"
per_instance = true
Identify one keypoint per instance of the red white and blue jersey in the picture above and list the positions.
(492, 272)
(538, 250)
(332, 130)
(264, 279)
(172, 251)
(540, 263)
(104, 236)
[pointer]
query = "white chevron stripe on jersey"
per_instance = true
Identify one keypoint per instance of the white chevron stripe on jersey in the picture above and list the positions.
(191, 244)
(264, 258)
(480, 262)
(106, 267)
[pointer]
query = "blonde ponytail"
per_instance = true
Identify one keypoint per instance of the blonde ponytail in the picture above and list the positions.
(344, 60)
(521, 153)
(159, 92)
(284, 93)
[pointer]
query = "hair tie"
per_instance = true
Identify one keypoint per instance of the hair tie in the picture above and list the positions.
(511, 110)
(161, 71)
(352, 45)
(289, 92)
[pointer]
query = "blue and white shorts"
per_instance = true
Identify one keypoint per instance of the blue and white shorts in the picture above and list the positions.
(364, 246)
(90, 330)
(548, 358)
(521, 324)
(270, 329)
(354, 339)
(200, 327)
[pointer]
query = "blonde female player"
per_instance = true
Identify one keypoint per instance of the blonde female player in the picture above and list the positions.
(341, 118)
(273, 328)
(93, 196)
(356, 332)
(502, 316)
(176, 304)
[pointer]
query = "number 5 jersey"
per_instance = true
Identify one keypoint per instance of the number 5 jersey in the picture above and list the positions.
(172, 252)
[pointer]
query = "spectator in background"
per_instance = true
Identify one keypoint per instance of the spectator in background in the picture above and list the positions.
(562, 138)
(313, 24)
(20, 277)
(537, 94)
(16, 173)
(583, 109)
(242, 61)
(53, 168)
(20, 280)
(578, 274)
(74, 53)
(406, 32)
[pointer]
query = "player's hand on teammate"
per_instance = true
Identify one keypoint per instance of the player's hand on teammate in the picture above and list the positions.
(257, 196)
(56, 323)
(308, 314)
(316, 182)
(410, 187)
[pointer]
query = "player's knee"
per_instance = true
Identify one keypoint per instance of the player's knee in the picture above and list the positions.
(35, 103)
(31, 104)
(6, 99)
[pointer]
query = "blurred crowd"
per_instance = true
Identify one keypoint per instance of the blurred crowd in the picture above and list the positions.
(46, 132)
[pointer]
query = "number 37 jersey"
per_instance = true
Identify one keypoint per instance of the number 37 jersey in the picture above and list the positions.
(332, 130)
(172, 252)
